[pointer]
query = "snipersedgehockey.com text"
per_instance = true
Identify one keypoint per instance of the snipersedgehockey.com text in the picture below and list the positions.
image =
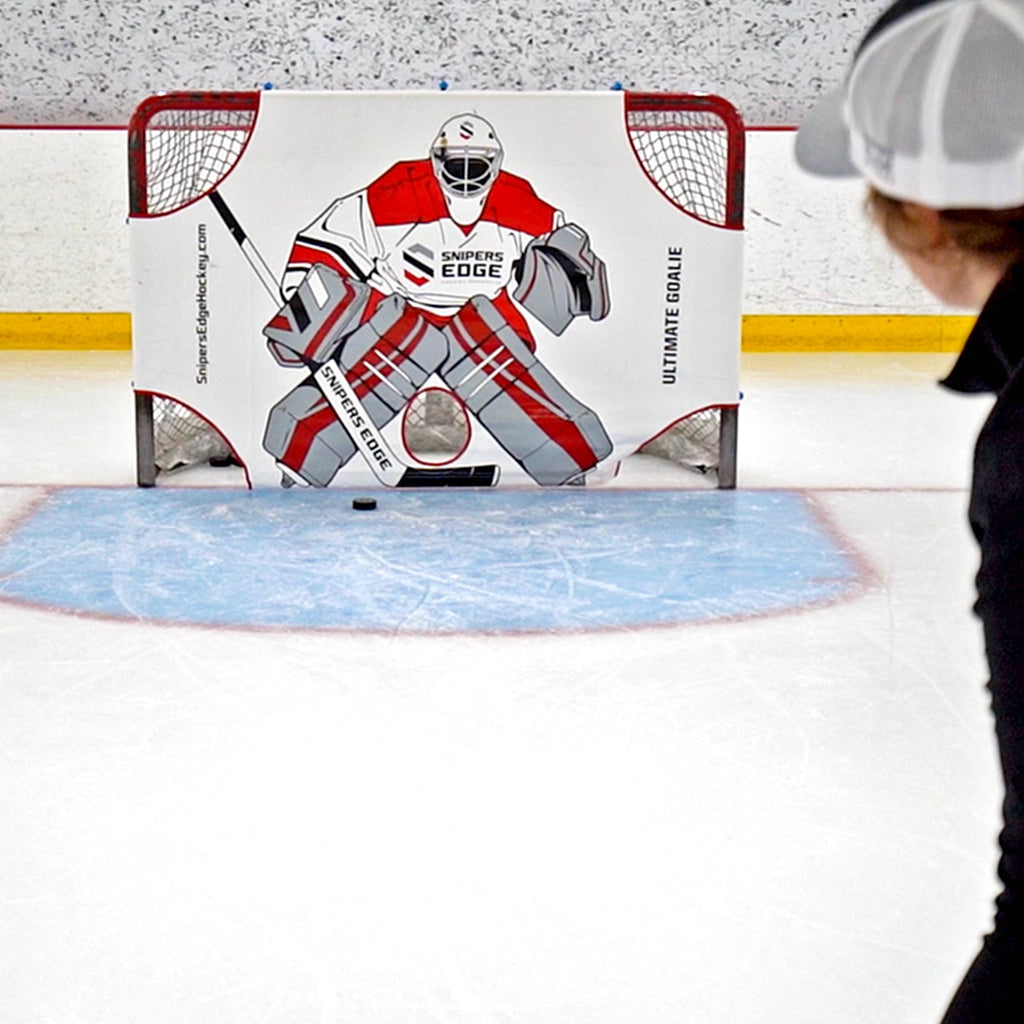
(202, 310)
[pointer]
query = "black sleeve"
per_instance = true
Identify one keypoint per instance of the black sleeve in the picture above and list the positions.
(997, 516)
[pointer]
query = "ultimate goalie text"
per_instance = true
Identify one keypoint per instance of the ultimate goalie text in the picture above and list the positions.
(670, 331)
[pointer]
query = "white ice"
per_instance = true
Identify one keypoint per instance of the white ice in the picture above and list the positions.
(788, 820)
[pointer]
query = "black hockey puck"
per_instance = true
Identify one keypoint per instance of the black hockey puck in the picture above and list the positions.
(364, 504)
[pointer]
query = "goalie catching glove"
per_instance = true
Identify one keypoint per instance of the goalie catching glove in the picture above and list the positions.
(559, 278)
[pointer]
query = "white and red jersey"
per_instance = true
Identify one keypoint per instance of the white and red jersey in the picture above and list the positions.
(398, 236)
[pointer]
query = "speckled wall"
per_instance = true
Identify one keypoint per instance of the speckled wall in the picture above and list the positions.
(91, 61)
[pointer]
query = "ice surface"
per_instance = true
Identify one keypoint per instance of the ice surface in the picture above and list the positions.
(786, 819)
(428, 562)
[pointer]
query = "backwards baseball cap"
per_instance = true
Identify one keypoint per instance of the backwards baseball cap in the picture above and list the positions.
(932, 109)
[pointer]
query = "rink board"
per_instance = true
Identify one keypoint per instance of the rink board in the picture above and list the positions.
(669, 346)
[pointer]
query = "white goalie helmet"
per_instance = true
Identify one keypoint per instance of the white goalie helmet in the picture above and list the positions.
(466, 156)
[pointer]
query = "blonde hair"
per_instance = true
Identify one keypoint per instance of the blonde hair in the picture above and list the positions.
(993, 236)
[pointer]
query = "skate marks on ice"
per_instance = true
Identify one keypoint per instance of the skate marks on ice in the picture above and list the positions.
(426, 562)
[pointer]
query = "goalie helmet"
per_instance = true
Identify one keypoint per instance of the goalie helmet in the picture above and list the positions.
(466, 157)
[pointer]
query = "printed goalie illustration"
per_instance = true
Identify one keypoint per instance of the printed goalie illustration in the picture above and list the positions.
(410, 277)
(409, 289)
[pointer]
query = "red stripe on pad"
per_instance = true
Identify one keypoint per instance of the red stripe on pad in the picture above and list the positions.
(561, 430)
(306, 430)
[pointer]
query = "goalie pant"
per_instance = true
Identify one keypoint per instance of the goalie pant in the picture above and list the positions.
(483, 361)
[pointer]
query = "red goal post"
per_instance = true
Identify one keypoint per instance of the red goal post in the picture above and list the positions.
(183, 145)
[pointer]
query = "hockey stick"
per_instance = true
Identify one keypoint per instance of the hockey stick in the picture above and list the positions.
(345, 403)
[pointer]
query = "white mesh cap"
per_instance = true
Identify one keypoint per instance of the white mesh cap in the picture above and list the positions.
(932, 109)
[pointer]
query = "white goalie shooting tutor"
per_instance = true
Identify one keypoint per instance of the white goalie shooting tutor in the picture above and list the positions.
(385, 465)
(647, 175)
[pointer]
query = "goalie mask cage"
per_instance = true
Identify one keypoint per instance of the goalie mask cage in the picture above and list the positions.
(181, 145)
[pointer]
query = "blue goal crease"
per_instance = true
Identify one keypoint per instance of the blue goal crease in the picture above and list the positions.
(425, 561)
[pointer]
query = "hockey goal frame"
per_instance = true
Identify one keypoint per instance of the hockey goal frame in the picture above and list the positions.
(679, 121)
(728, 214)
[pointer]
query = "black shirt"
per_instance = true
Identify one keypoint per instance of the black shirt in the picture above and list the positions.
(993, 360)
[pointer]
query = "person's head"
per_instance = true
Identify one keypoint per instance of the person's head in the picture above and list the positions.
(466, 156)
(957, 254)
(931, 114)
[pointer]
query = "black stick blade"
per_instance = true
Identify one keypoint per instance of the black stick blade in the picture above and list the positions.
(458, 476)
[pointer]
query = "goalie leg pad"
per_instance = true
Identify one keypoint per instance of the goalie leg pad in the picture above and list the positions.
(303, 434)
(550, 433)
(386, 360)
(389, 357)
(322, 310)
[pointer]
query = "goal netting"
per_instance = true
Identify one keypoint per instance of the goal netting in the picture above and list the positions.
(692, 147)
(182, 145)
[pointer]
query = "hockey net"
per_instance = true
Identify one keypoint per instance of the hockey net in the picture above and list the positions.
(435, 427)
(182, 145)
(693, 149)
